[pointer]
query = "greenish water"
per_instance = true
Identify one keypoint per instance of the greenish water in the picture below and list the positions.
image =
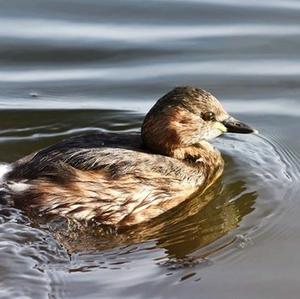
(69, 67)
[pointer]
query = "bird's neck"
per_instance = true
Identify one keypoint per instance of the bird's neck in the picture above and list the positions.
(201, 152)
(202, 156)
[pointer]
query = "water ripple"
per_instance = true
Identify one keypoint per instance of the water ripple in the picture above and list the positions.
(140, 33)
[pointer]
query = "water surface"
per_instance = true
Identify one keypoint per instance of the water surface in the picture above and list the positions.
(69, 67)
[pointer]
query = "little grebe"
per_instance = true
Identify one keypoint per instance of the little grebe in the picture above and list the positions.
(123, 179)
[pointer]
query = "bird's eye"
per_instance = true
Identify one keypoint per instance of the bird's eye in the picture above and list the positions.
(208, 116)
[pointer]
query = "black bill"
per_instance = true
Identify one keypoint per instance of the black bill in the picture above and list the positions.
(235, 126)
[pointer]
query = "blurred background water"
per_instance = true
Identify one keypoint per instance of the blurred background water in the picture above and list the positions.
(69, 67)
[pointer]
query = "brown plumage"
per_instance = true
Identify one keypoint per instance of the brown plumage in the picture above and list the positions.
(124, 179)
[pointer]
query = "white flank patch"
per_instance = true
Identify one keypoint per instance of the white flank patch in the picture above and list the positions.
(11, 185)
(18, 186)
(4, 169)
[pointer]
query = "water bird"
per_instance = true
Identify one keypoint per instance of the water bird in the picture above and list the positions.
(123, 179)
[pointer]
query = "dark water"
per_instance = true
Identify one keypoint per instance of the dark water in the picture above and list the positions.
(69, 67)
